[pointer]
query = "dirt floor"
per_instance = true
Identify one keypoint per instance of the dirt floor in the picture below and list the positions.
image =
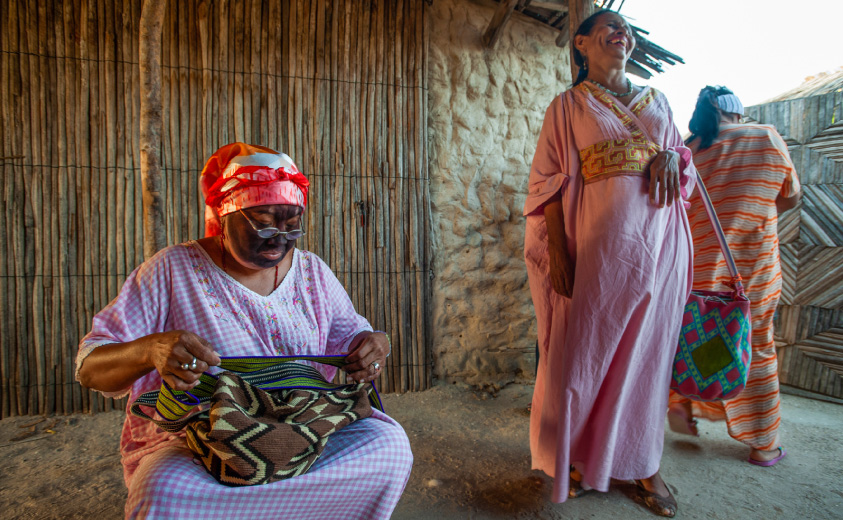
(472, 461)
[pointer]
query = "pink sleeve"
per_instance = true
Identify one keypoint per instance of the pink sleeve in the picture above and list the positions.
(675, 143)
(140, 308)
(549, 170)
(345, 323)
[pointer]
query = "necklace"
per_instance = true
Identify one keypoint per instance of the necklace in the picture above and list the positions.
(225, 269)
(629, 87)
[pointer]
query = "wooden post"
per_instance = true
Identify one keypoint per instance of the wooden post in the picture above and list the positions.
(151, 21)
(499, 19)
(578, 10)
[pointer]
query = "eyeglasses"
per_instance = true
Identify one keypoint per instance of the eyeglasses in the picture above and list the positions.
(271, 232)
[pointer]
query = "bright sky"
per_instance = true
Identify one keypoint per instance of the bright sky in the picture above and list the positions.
(757, 48)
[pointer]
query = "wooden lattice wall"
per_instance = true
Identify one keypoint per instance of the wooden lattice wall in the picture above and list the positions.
(809, 320)
(340, 85)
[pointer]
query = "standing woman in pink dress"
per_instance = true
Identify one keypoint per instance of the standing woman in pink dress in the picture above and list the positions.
(609, 257)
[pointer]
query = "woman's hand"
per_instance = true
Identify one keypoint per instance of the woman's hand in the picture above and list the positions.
(561, 269)
(664, 176)
(181, 357)
(116, 366)
(371, 348)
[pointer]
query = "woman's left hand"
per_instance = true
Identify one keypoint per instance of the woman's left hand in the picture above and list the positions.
(664, 176)
(366, 360)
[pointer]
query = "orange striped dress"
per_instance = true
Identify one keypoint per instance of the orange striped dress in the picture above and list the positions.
(744, 170)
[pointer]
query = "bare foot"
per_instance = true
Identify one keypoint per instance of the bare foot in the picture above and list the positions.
(766, 458)
(681, 419)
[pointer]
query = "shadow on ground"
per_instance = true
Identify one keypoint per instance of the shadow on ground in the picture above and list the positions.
(472, 461)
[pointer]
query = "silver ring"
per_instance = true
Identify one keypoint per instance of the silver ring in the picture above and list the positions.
(376, 366)
(193, 363)
(185, 366)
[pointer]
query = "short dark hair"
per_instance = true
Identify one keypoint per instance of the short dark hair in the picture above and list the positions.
(705, 123)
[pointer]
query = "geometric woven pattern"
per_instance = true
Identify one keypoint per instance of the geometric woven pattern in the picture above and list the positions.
(810, 348)
(714, 352)
(175, 407)
(809, 319)
(252, 437)
(822, 215)
(819, 277)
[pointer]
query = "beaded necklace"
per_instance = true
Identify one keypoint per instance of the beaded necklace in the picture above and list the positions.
(629, 87)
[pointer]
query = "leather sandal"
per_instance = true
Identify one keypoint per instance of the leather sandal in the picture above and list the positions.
(656, 503)
(576, 488)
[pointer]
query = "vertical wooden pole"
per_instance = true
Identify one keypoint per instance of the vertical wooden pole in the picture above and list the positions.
(152, 18)
(578, 10)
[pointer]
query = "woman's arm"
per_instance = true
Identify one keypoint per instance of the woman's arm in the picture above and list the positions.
(561, 269)
(785, 203)
(114, 367)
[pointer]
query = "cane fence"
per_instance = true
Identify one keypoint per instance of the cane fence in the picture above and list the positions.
(338, 85)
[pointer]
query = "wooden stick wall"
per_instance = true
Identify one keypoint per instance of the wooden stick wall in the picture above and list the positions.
(340, 85)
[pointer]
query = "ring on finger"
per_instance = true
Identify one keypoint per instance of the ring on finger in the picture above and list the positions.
(185, 366)
(193, 363)
(376, 366)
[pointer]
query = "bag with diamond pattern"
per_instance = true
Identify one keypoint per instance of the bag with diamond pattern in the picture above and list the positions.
(715, 350)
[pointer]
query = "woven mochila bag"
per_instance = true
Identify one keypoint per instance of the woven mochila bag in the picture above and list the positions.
(268, 420)
(715, 348)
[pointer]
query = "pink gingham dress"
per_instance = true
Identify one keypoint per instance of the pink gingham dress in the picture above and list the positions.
(364, 467)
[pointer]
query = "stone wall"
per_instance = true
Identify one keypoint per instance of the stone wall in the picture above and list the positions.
(486, 111)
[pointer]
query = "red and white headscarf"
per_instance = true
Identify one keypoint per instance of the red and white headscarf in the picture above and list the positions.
(241, 175)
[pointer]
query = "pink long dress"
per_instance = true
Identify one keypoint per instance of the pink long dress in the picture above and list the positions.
(606, 353)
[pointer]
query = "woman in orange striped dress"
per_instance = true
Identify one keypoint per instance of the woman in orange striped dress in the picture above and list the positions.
(751, 179)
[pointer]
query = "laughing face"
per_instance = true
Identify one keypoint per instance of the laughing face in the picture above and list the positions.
(611, 37)
(250, 250)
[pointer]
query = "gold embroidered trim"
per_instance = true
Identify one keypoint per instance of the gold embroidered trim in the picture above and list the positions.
(616, 156)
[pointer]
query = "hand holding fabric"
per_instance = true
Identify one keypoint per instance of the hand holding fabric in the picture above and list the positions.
(371, 348)
(181, 357)
(664, 177)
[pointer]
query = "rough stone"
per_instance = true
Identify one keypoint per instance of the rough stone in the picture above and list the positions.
(486, 110)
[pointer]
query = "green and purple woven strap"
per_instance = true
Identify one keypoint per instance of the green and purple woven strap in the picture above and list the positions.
(266, 373)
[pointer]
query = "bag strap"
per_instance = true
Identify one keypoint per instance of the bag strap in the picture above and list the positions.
(266, 373)
(735, 282)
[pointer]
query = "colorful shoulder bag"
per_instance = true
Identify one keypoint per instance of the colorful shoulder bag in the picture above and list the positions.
(714, 352)
(269, 418)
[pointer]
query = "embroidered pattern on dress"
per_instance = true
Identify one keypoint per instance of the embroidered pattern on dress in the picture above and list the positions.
(618, 156)
(229, 309)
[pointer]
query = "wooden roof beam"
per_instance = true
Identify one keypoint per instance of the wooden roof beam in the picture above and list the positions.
(499, 19)
(552, 5)
(578, 10)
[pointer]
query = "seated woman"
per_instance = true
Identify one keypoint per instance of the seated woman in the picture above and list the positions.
(243, 290)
